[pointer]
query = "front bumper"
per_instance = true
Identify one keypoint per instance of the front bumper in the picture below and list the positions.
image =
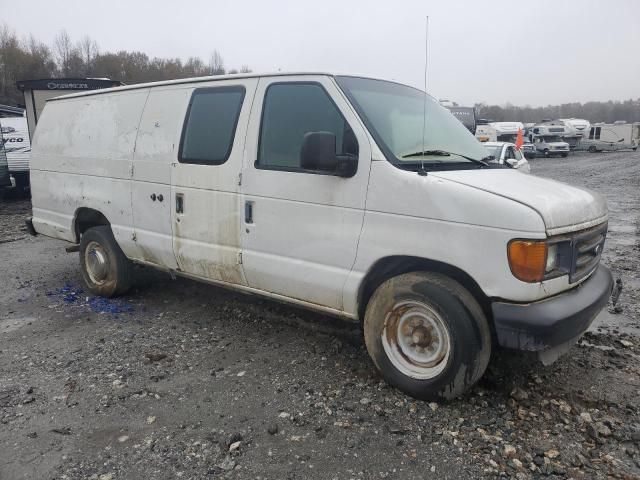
(555, 321)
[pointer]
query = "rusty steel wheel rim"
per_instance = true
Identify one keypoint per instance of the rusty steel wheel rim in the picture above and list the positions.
(96, 262)
(416, 340)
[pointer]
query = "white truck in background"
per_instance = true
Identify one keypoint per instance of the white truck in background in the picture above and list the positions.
(618, 136)
(548, 139)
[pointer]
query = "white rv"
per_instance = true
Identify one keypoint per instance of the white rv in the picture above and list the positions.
(15, 137)
(548, 139)
(579, 126)
(618, 136)
(499, 131)
(330, 192)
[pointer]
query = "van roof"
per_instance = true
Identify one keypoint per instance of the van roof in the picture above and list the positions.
(179, 81)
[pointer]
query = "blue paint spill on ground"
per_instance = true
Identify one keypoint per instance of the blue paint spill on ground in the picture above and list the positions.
(108, 305)
(72, 295)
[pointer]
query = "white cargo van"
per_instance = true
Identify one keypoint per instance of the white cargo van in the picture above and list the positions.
(333, 192)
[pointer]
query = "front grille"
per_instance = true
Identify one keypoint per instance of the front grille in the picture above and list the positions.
(587, 249)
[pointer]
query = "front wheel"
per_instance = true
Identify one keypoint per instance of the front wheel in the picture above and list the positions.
(564, 155)
(593, 149)
(547, 154)
(105, 268)
(427, 335)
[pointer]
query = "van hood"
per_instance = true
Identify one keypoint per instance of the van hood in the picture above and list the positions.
(563, 208)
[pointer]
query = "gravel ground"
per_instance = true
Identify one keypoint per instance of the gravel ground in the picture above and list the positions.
(184, 380)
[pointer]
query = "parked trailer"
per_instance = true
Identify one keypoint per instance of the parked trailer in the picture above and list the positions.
(612, 137)
(17, 147)
(5, 179)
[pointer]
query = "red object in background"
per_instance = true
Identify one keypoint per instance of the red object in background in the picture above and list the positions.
(519, 140)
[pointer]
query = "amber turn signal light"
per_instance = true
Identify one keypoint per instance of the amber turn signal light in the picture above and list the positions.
(527, 259)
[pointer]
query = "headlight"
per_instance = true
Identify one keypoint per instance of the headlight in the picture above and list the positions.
(536, 260)
(552, 258)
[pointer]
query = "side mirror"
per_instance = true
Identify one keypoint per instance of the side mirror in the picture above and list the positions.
(318, 152)
(511, 162)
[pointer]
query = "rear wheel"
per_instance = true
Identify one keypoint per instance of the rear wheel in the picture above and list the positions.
(546, 152)
(593, 149)
(105, 268)
(427, 335)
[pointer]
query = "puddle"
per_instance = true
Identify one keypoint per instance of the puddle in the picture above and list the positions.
(610, 321)
(622, 228)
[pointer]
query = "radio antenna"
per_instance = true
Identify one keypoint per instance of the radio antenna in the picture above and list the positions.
(424, 105)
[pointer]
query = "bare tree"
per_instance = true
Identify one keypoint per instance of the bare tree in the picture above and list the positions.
(64, 50)
(89, 50)
(216, 64)
(245, 69)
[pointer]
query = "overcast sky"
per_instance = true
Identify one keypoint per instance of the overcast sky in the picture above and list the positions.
(524, 52)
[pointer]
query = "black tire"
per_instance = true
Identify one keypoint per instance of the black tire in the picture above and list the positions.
(593, 149)
(109, 271)
(564, 155)
(546, 153)
(390, 308)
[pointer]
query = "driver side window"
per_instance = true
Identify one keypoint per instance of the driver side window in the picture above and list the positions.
(290, 111)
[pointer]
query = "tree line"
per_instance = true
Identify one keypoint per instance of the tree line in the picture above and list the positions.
(608, 112)
(29, 58)
(24, 59)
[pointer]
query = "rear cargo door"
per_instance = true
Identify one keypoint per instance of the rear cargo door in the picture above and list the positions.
(156, 149)
(206, 208)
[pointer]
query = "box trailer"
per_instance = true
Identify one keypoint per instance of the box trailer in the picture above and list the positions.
(17, 148)
(612, 137)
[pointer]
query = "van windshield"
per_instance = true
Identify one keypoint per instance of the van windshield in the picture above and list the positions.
(552, 138)
(395, 116)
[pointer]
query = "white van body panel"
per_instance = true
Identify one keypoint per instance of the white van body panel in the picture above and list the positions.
(557, 203)
(437, 223)
(82, 157)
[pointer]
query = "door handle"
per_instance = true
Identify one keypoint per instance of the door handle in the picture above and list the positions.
(179, 203)
(248, 212)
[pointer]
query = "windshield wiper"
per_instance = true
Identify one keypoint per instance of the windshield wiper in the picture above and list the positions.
(434, 153)
(444, 153)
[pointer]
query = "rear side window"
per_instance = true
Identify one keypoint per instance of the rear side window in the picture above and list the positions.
(292, 110)
(210, 125)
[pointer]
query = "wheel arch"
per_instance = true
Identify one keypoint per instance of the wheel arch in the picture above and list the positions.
(391, 266)
(85, 218)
